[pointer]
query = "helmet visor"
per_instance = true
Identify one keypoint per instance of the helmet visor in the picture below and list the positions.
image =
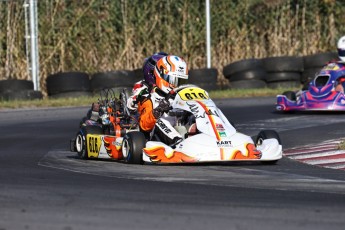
(176, 79)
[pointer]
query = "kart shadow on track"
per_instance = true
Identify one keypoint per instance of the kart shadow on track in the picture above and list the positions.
(190, 164)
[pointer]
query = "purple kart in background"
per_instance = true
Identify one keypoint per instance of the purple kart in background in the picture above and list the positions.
(321, 94)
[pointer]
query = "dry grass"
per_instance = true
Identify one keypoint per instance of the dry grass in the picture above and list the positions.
(62, 102)
(93, 36)
(245, 93)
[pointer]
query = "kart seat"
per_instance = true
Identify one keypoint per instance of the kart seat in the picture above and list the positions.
(192, 130)
(93, 113)
(182, 130)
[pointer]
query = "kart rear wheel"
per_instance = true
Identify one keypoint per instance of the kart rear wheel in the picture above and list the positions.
(290, 95)
(267, 134)
(80, 140)
(132, 147)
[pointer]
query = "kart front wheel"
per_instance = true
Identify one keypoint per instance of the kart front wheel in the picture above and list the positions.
(267, 134)
(132, 147)
(290, 95)
(80, 140)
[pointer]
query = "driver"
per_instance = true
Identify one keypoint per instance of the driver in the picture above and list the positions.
(341, 54)
(341, 49)
(162, 73)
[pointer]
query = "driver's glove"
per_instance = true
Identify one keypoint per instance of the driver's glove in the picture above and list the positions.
(163, 107)
(131, 103)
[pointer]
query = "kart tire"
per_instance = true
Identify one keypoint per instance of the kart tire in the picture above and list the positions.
(240, 66)
(80, 140)
(132, 147)
(205, 75)
(319, 60)
(67, 82)
(267, 134)
(254, 74)
(27, 94)
(15, 85)
(137, 74)
(290, 95)
(112, 79)
(283, 64)
(283, 76)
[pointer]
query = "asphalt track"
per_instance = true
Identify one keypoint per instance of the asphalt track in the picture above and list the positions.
(44, 186)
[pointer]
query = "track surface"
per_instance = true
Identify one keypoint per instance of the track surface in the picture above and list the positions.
(44, 186)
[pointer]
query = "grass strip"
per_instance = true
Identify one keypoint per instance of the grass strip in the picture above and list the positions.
(86, 101)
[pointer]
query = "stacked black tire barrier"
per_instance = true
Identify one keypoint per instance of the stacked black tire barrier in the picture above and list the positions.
(313, 64)
(116, 80)
(245, 74)
(283, 71)
(68, 84)
(14, 89)
(206, 78)
(272, 72)
(138, 75)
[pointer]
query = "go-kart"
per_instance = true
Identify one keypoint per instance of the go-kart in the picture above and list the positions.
(208, 136)
(321, 94)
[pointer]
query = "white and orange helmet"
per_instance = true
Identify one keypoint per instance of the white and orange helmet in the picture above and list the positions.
(170, 72)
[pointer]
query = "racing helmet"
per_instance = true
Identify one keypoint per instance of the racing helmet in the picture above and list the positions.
(170, 72)
(341, 48)
(149, 65)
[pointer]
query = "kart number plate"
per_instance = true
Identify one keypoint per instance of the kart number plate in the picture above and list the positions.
(93, 145)
(193, 94)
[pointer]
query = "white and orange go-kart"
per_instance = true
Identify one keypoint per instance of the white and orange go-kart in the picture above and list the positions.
(210, 137)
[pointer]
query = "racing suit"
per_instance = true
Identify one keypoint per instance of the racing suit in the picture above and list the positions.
(154, 121)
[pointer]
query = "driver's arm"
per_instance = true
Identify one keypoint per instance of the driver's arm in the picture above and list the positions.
(146, 120)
